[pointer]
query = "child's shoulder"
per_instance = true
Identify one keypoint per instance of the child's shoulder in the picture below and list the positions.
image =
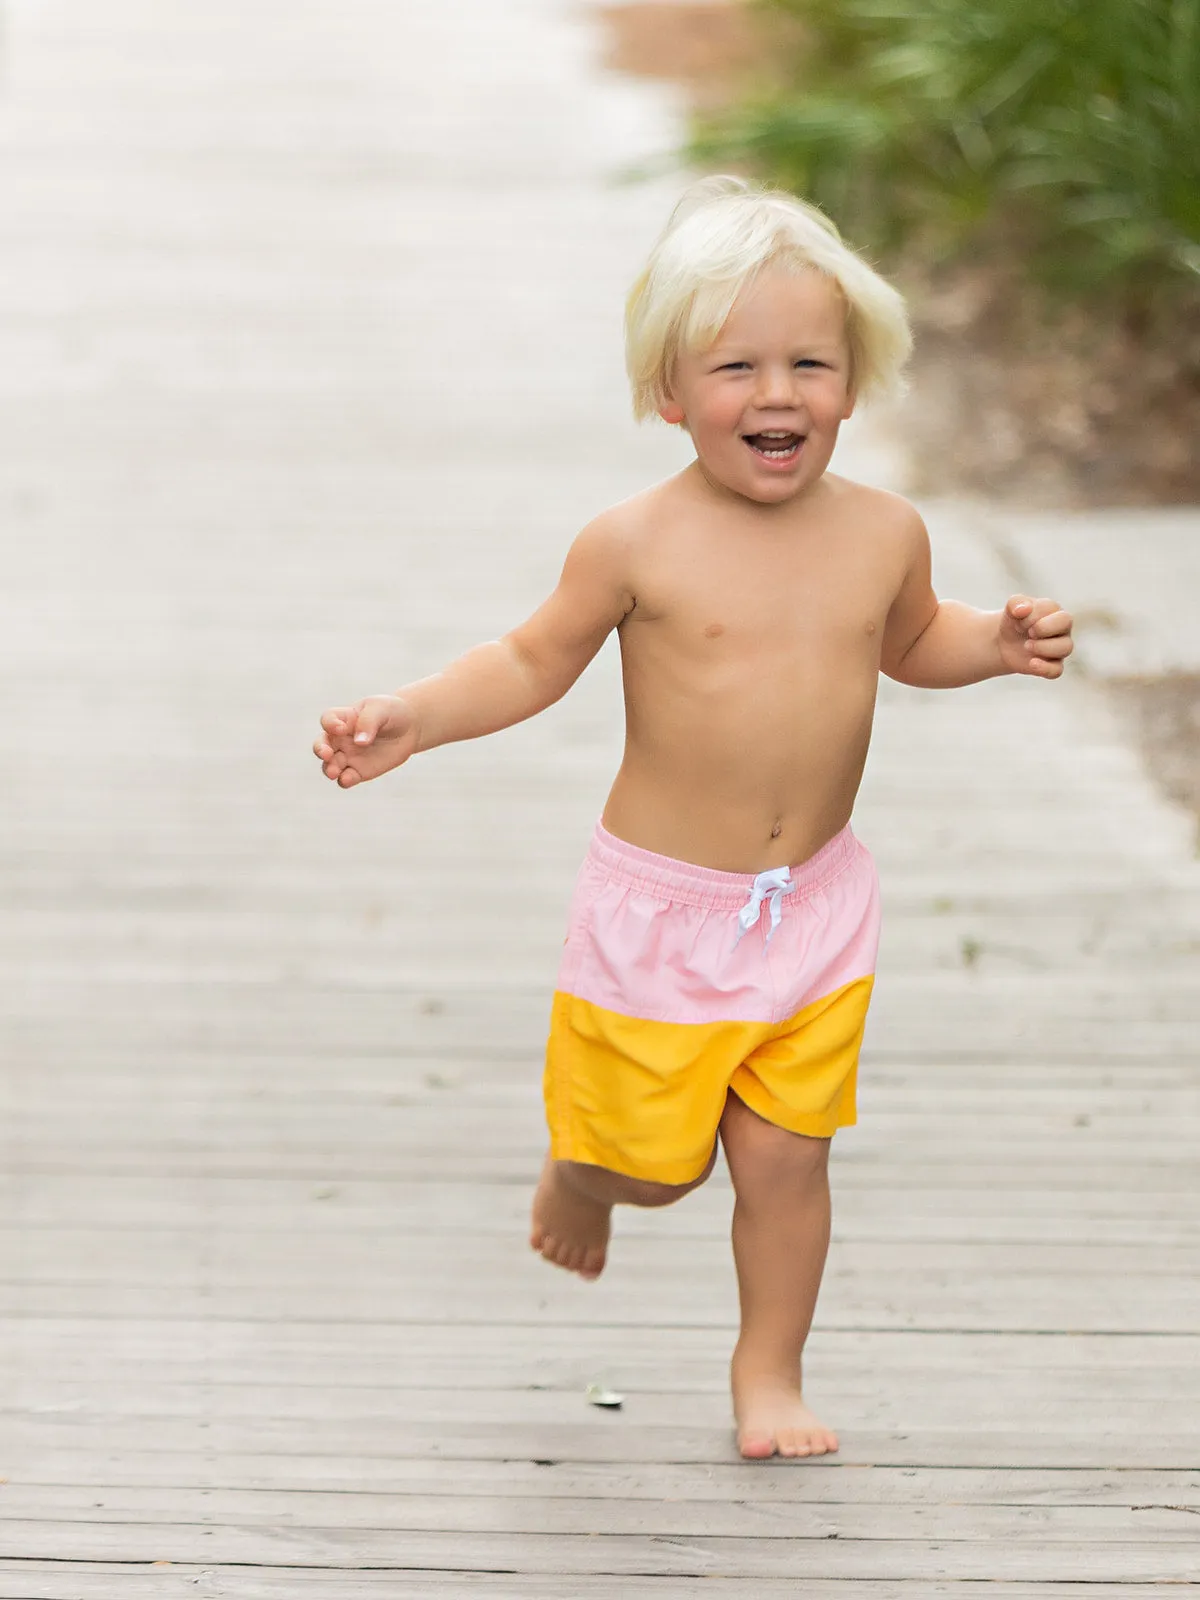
(880, 508)
(605, 553)
(622, 527)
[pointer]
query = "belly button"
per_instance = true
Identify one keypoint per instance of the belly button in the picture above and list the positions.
(777, 830)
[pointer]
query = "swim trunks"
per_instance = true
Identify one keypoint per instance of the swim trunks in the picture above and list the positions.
(679, 983)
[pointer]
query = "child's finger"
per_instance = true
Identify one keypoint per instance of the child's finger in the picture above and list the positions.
(1053, 622)
(1019, 607)
(337, 720)
(1042, 668)
(1050, 649)
(367, 722)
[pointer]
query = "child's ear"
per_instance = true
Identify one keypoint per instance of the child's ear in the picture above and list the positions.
(671, 411)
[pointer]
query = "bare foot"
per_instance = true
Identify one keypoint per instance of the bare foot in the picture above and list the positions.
(569, 1228)
(772, 1418)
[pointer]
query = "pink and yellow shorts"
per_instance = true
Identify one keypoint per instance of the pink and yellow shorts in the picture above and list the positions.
(679, 983)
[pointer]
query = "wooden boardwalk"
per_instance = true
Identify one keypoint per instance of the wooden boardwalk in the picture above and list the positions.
(309, 366)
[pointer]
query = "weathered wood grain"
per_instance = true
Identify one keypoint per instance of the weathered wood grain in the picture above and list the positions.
(825, 1555)
(269, 1487)
(68, 1581)
(591, 1439)
(1102, 1524)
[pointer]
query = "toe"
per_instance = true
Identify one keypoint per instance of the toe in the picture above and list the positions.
(756, 1446)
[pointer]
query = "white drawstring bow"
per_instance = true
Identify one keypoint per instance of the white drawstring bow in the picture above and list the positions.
(769, 886)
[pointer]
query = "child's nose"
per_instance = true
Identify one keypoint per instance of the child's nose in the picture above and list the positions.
(776, 387)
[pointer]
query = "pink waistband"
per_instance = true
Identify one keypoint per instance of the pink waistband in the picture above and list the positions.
(688, 884)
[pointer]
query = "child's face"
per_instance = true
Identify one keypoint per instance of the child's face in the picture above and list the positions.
(765, 403)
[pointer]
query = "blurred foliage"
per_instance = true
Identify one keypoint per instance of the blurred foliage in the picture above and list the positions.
(1068, 129)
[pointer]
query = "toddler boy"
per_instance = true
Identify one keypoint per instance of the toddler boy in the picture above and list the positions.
(722, 936)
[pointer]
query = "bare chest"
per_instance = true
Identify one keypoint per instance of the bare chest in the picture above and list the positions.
(754, 609)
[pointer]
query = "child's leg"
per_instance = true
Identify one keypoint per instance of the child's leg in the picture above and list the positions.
(780, 1237)
(572, 1210)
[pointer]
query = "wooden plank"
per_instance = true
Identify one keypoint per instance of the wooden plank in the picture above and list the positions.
(1076, 1161)
(893, 1094)
(94, 1371)
(591, 1439)
(399, 1126)
(936, 1396)
(371, 1490)
(68, 1581)
(384, 1516)
(324, 1339)
(273, 1203)
(907, 1226)
(922, 1406)
(131, 1258)
(823, 1556)
(1020, 1304)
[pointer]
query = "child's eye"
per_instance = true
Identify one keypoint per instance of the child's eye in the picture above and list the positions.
(808, 361)
(733, 366)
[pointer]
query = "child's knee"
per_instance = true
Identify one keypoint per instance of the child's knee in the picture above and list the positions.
(665, 1194)
(615, 1188)
(770, 1156)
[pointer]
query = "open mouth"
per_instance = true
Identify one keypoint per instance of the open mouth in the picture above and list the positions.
(779, 448)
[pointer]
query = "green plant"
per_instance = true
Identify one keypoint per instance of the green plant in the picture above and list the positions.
(1070, 129)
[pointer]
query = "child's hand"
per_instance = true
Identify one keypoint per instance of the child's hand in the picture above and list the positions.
(1035, 637)
(365, 740)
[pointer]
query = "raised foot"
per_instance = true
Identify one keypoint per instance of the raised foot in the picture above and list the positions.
(772, 1419)
(569, 1229)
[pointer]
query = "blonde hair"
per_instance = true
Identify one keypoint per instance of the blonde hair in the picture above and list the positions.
(720, 236)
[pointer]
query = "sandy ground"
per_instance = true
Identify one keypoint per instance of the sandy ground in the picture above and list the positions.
(1164, 712)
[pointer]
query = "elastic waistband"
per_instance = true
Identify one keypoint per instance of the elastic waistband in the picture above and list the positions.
(691, 885)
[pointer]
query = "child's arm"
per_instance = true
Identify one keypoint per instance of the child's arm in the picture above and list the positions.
(943, 644)
(495, 684)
